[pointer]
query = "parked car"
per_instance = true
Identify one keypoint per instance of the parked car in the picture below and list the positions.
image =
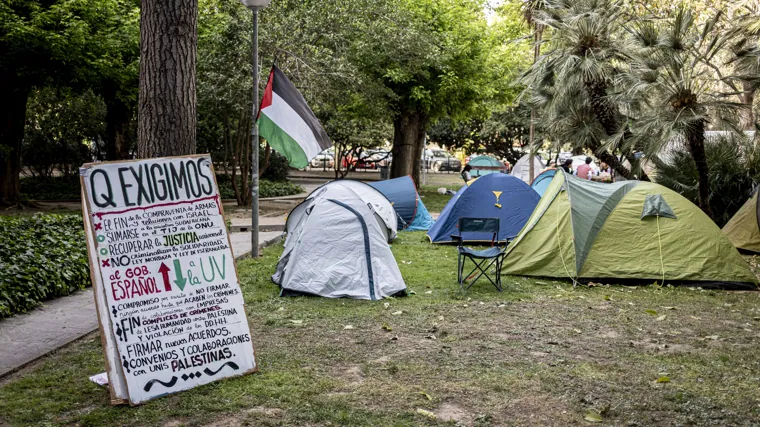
(381, 157)
(323, 160)
(440, 160)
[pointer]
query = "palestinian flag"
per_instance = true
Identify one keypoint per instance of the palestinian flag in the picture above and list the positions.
(288, 124)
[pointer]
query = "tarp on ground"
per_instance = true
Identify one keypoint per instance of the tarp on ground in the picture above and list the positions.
(491, 196)
(410, 210)
(743, 230)
(337, 247)
(629, 230)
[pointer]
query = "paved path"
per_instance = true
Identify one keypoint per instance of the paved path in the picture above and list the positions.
(27, 337)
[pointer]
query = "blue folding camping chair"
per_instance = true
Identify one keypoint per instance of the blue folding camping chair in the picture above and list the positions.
(485, 257)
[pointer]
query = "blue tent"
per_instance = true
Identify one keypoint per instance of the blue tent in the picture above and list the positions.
(411, 212)
(484, 165)
(496, 195)
(542, 181)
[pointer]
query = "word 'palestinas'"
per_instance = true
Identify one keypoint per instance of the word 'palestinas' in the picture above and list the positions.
(180, 239)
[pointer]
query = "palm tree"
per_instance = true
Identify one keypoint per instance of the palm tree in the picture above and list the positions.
(672, 79)
(530, 11)
(746, 62)
(570, 83)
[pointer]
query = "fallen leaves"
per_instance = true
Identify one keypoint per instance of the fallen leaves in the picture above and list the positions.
(426, 413)
(593, 416)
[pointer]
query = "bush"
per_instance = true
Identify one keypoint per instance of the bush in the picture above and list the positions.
(41, 257)
(278, 166)
(734, 171)
(57, 188)
(266, 188)
(67, 188)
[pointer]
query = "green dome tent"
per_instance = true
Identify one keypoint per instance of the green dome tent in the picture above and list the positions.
(630, 230)
(743, 230)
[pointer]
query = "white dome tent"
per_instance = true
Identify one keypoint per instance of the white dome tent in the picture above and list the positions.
(382, 206)
(521, 169)
(337, 246)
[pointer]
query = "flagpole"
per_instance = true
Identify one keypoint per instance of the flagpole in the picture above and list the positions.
(255, 142)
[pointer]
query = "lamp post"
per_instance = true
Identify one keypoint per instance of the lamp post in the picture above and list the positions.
(255, 6)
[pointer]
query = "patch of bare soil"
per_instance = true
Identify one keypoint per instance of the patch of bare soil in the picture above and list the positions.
(450, 412)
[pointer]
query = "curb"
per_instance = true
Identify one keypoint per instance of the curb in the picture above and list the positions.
(262, 245)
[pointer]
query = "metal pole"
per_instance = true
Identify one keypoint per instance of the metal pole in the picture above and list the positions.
(424, 160)
(255, 142)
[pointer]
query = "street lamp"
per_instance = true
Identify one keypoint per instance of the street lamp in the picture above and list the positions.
(255, 6)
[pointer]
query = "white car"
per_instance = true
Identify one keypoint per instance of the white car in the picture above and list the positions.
(322, 160)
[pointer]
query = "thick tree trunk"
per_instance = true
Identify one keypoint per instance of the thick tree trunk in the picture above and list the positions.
(167, 105)
(12, 119)
(408, 143)
(696, 142)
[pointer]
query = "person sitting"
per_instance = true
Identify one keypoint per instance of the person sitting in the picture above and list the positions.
(466, 176)
(585, 171)
(567, 166)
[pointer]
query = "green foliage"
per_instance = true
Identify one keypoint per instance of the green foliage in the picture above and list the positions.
(61, 127)
(734, 173)
(41, 257)
(266, 188)
(59, 188)
(62, 188)
(496, 135)
(277, 169)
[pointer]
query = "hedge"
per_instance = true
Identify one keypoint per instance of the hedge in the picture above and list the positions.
(41, 257)
(65, 188)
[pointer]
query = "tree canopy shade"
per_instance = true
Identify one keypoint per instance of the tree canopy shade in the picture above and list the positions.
(433, 58)
(51, 43)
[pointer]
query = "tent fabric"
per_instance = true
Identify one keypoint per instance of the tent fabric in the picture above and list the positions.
(382, 206)
(655, 205)
(564, 237)
(743, 230)
(490, 196)
(542, 181)
(410, 211)
(484, 165)
(338, 248)
(521, 169)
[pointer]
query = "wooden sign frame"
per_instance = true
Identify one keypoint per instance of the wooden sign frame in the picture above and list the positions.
(118, 380)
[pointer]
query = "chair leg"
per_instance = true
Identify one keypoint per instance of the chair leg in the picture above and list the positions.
(460, 267)
(483, 272)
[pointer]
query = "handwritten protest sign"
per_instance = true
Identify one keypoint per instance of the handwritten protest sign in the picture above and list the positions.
(169, 302)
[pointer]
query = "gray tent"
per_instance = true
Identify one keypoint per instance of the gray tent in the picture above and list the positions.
(370, 195)
(337, 246)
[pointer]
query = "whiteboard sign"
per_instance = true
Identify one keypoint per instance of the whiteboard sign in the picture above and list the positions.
(169, 303)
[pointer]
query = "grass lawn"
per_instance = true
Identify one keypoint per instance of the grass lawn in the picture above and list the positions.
(540, 353)
(433, 201)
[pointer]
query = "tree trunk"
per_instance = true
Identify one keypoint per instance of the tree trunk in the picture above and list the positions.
(167, 104)
(408, 143)
(12, 120)
(696, 140)
(607, 114)
(747, 118)
(538, 36)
